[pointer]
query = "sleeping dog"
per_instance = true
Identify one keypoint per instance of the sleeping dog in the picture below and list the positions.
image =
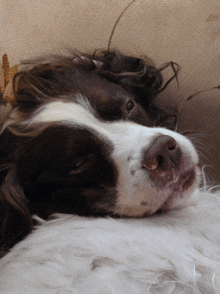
(85, 137)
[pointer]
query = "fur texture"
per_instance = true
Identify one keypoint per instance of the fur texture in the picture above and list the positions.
(174, 252)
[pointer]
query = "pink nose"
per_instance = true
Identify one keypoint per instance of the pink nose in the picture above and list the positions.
(162, 155)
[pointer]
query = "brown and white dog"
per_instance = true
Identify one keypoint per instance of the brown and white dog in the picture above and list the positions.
(85, 137)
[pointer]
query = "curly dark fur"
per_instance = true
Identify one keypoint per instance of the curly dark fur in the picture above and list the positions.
(66, 76)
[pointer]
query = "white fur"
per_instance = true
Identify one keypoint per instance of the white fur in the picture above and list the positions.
(137, 188)
(175, 252)
(66, 112)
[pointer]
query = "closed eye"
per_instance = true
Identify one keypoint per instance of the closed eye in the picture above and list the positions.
(82, 164)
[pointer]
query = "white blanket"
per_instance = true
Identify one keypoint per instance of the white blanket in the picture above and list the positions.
(176, 252)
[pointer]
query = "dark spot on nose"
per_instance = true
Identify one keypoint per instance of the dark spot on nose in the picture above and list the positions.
(130, 157)
(143, 203)
(133, 172)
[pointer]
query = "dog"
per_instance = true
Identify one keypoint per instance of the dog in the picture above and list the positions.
(85, 137)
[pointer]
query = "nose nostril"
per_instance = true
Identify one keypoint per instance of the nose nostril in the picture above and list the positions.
(160, 160)
(170, 144)
(171, 148)
(162, 154)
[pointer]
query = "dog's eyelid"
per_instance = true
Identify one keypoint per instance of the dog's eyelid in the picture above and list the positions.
(130, 105)
(82, 163)
(79, 162)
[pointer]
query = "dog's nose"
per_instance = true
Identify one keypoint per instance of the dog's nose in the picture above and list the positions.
(162, 155)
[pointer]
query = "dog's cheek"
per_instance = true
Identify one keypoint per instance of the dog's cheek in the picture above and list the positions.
(100, 201)
(16, 221)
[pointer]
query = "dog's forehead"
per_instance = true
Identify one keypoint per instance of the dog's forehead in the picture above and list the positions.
(82, 116)
(61, 111)
(79, 114)
(123, 134)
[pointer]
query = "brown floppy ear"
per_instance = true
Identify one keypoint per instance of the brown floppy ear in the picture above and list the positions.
(15, 217)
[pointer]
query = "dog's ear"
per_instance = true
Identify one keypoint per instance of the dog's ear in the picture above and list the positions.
(135, 74)
(51, 77)
(15, 217)
(47, 79)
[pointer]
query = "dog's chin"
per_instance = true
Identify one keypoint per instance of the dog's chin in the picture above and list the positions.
(178, 192)
(182, 189)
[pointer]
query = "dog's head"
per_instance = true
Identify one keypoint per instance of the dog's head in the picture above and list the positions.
(82, 139)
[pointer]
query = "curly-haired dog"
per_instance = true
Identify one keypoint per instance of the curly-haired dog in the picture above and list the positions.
(85, 137)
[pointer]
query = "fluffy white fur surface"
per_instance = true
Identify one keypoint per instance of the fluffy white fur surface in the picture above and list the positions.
(174, 252)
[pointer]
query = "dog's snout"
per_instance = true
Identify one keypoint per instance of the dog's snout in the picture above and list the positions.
(162, 155)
